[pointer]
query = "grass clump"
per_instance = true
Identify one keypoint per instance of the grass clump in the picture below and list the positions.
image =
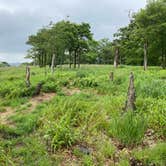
(129, 129)
(85, 82)
(7, 132)
(152, 156)
(151, 88)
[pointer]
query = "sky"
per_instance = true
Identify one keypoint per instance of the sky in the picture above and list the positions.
(21, 18)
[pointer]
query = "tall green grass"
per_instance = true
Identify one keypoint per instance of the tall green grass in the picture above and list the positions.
(129, 129)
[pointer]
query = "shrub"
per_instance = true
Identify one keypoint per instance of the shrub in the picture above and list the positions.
(61, 133)
(50, 87)
(19, 90)
(81, 74)
(85, 82)
(128, 129)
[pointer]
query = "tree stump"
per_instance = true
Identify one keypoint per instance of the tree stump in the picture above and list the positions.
(131, 97)
(112, 76)
(28, 76)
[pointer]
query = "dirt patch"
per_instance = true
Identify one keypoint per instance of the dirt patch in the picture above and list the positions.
(33, 102)
(39, 99)
(5, 115)
(70, 92)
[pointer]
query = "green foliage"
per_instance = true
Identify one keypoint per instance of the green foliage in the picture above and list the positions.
(7, 132)
(153, 156)
(87, 161)
(85, 82)
(152, 88)
(81, 74)
(107, 149)
(4, 64)
(129, 129)
(50, 87)
(155, 110)
(16, 91)
(64, 36)
(50, 133)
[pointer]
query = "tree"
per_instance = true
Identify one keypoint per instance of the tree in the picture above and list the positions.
(145, 36)
(50, 43)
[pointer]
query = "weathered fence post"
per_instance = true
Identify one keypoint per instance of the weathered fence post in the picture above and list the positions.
(116, 58)
(28, 76)
(38, 89)
(131, 97)
(112, 76)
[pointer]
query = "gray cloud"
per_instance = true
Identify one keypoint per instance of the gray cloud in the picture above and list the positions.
(20, 18)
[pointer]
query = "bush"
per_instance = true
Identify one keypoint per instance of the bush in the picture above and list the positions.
(63, 136)
(81, 74)
(61, 133)
(17, 91)
(85, 82)
(50, 87)
(128, 129)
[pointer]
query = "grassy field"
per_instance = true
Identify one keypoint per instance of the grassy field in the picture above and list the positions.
(78, 119)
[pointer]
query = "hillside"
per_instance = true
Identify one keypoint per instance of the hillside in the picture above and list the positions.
(79, 117)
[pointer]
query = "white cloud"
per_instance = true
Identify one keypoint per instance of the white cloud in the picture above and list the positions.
(13, 57)
(20, 18)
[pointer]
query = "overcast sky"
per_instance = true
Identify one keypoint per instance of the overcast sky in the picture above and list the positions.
(20, 18)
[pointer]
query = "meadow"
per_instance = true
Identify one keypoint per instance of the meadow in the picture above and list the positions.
(79, 118)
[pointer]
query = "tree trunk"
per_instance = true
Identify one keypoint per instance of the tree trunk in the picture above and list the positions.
(145, 55)
(163, 58)
(70, 59)
(116, 57)
(75, 59)
(45, 64)
(28, 76)
(53, 64)
(164, 63)
(131, 97)
(78, 61)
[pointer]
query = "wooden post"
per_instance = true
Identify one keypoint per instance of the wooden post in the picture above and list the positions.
(112, 76)
(131, 97)
(116, 58)
(145, 55)
(75, 59)
(38, 89)
(28, 76)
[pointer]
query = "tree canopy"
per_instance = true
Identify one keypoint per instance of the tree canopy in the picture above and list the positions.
(141, 42)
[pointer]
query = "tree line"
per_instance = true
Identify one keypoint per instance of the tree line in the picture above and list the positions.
(142, 42)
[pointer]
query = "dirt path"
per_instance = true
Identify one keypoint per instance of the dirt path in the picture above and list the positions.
(33, 102)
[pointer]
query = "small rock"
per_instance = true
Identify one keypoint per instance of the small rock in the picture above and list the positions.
(84, 150)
